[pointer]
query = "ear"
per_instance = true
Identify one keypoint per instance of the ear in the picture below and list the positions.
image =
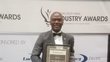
(62, 22)
(49, 22)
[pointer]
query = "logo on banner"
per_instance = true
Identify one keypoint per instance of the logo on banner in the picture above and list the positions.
(45, 15)
(85, 58)
(79, 58)
(75, 17)
(27, 57)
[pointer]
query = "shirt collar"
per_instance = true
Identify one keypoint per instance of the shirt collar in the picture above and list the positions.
(56, 32)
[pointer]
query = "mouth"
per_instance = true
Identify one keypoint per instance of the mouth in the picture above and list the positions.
(56, 26)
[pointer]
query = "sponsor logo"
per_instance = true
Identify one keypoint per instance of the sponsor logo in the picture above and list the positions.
(85, 58)
(27, 57)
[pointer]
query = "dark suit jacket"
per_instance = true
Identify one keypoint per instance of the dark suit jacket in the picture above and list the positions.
(47, 38)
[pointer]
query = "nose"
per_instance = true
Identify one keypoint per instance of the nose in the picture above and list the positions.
(56, 21)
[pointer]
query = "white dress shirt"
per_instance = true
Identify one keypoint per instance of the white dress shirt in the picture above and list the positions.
(58, 39)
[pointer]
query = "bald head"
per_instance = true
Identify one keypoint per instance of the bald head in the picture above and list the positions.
(56, 14)
(56, 21)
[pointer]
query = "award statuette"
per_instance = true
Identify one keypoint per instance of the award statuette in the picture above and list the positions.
(58, 53)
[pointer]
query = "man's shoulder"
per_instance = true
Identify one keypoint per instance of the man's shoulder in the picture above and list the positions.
(68, 34)
(45, 33)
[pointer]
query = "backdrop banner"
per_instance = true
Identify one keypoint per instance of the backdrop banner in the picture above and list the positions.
(88, 48)
(79, 16)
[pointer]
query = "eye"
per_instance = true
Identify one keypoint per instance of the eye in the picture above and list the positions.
(56, 20)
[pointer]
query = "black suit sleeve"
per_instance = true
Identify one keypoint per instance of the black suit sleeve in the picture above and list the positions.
(71, 45)
(72, 49)
(35, 56)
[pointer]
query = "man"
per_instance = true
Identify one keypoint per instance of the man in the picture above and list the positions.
(54, 36)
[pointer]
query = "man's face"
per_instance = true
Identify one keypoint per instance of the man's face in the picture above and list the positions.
(56, 21)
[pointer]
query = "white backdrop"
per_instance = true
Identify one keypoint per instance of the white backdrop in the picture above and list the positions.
(17, 48)
(16, 16)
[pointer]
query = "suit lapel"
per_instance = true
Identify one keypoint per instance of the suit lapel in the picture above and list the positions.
(51, 38)
(64, 39)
